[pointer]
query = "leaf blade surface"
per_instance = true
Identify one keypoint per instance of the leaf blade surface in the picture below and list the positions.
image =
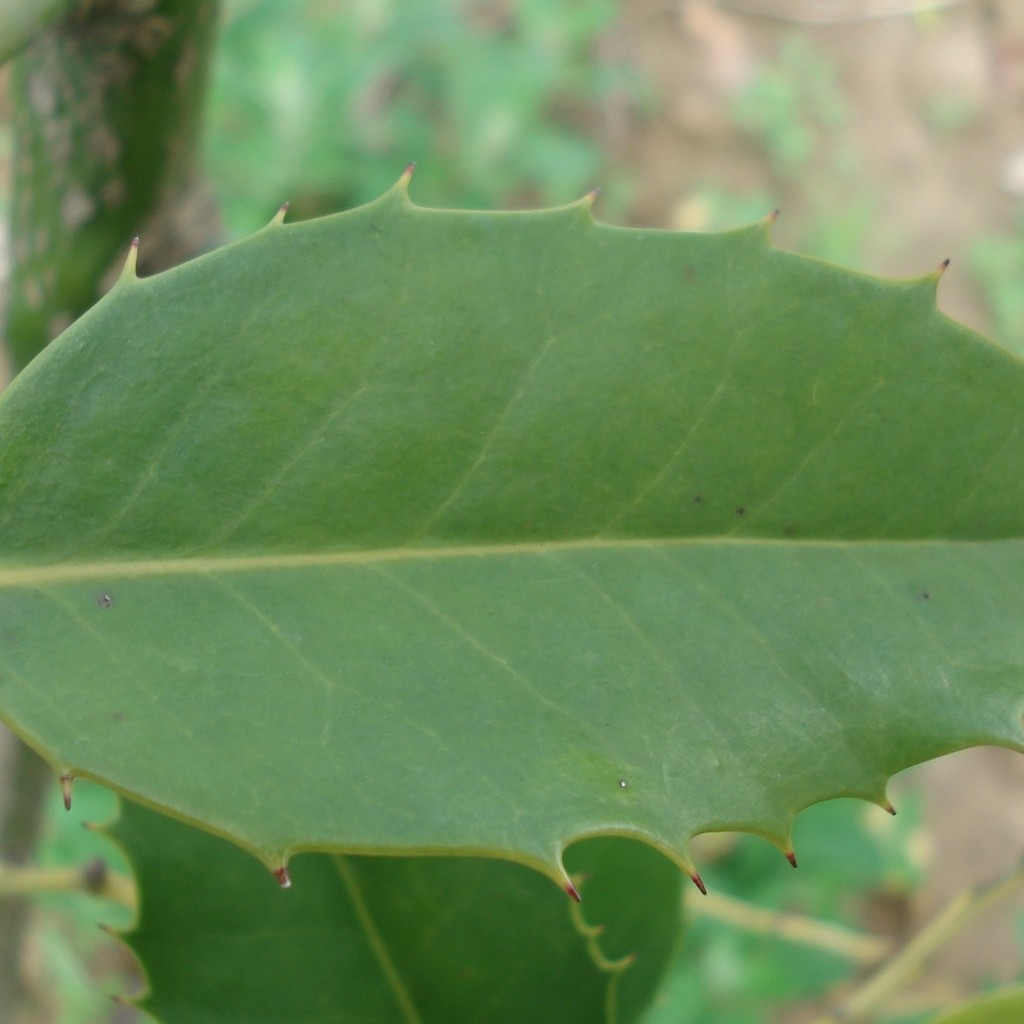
(418, 940)
(479, 533)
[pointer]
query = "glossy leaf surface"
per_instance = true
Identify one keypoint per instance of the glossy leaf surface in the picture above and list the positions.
(419, 531)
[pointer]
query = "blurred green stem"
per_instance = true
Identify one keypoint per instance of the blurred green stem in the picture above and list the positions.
(94, 877)
(906, 964)
(106, 108)
(865, 950)
(106, 98)
(26, 780)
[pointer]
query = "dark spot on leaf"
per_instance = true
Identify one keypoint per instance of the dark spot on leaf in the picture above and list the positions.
(117, 716)
(741, 511)
(697, 499)
(104, 600)
(924, 595)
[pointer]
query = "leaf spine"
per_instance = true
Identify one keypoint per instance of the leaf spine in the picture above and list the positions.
(278, 219)
(66, 780)
(128, 271)
(283, 878)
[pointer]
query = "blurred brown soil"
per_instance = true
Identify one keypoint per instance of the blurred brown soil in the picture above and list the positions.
(911, 127)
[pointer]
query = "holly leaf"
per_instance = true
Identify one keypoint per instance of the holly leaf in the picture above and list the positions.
(410, 531)
(383, 939)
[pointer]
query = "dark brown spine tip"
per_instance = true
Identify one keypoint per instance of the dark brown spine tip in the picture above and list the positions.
(774, 215)
(572, 891)
(888, 807)
(65, 788)
(791, 857)
(944, 265)
(699, 882)
(282, 876)
(410, 167)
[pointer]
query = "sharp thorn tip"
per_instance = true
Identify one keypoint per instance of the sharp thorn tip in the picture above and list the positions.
(573, 892)
(791, 857)
(699, 882)
(282, 876)
(132, 259)
(66, 781)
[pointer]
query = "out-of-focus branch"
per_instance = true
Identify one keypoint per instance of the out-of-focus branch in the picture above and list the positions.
(95, 878)
(20, 20)
(106, 105)
(862, 949)
(907, 962)
(25, 781)
(106, 97)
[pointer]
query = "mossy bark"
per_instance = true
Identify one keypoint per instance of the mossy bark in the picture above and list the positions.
(107, 105)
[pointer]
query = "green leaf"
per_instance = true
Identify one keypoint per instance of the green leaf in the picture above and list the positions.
(422, 939)
(416, 531)
(1003, 1007)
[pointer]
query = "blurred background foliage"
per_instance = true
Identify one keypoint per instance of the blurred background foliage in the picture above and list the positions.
(324, 103)
(891, 133)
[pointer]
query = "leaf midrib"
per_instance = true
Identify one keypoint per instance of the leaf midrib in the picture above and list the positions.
(66, 572)
(376, 942)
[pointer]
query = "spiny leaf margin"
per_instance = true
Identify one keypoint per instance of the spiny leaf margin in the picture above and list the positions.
(554, 542)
